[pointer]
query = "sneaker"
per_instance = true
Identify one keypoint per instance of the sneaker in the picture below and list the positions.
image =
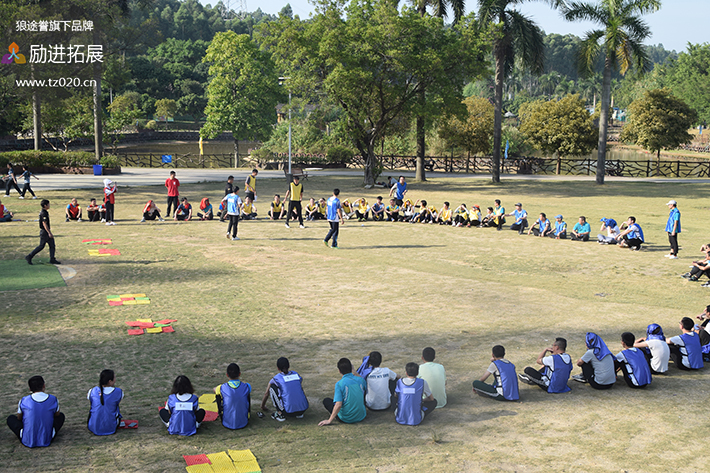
(34, 196)
(78, 220)
(287, 226)
(686, 275)
(299, 417)
(667, 256)
(103, 220)
(326, 244)
(228, 236)
(525, 378)
(235, 238)
(21, 197)
(278, 417)
(161, 219)
(673, 257)
(28, 259)
(53, 261)
(706, 284)
(693, 278)
(635, 248)
(301, 226)
(107, 223)
(335, 247)
(142, 220)
(66, 219)
(579, 377)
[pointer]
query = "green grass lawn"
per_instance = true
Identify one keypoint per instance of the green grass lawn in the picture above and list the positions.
(395, 288)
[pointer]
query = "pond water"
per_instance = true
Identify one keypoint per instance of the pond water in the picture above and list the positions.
(186, 147)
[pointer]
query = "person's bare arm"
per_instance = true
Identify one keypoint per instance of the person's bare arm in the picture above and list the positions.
(485, 376)
(542, 355)
(266, 396)
(336, 408)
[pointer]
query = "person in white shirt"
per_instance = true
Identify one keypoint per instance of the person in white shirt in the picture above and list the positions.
(656, 349)
(381, 383)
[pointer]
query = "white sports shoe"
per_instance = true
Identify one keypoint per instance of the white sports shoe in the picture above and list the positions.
(235, 238)
(78, 220)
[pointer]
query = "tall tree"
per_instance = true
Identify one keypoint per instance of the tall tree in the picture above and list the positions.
(516, 37)
(689, 78)
(474, 130)
(619, 41)
(243, 92)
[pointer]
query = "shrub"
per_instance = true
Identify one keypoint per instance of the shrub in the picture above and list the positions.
(34, 158)
(151, 125)
(261, 154)
(340, 155)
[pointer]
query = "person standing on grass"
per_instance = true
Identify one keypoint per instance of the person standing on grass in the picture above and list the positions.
(228, 189)
(109, 200)
(399, 190)
(26, 176)
(632, 236)
(348, 402)
(505, 384)
(286, 393)
(38, 418)
(597, 364)
(632, 363)
(334, 214)
(172, 184)
(250, 185)
(11, 181)
(105, 415)
(673, 228)
(556, 369)
(414, 398)
(234, 204)
(686, 350)
(45, 235)
(435, 376)
(233, 400)
(294, 195)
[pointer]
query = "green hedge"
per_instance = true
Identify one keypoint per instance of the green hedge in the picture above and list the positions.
(34, 158)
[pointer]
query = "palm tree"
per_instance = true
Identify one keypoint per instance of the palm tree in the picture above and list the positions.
(518, 37)
(620, 39)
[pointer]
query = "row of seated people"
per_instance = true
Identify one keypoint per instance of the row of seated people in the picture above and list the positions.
(378, 388)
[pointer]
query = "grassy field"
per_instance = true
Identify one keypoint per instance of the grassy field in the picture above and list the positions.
(395, 288)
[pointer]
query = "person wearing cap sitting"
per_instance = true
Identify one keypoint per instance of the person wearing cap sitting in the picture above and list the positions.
(581, 230)
(632, 236)
(521, 219)
(612, 230)
(673, 228)
(543, 226)
(560, 231)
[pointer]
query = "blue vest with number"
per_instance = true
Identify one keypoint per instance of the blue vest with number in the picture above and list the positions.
(693, 350)
(559, 376)
(103, 418)
(292, 395)
(637, 366)
(235, 404)
(38, 421)
(507, 379)
(409, 402)
(182, 415)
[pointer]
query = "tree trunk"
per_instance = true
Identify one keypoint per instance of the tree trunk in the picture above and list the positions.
(421, 140)
(604, 121)
(236, 153)
(98, 122)
(498, 114)
(658, 162)
(36, 114)
(370, 162)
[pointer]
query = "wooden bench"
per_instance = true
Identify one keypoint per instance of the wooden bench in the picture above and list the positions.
(297, 172)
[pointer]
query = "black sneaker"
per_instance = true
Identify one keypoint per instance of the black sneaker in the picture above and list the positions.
(580, 378)
(686, 275)
(53, 261)
(278, 417)
(28, 259)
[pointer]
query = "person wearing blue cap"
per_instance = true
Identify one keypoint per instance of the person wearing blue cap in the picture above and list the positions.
(673, 228)
(656, 348)
(632, 363)
(560, 231)
(612, 230)
(597, 364)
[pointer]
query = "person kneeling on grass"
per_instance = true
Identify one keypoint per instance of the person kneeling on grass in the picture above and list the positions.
(543, 226)
(505, 382)
(184, 211)
(348, 403)
(435, 375)
(686, 350)
(151, 212)
(556, 369)
(105, 415)
(632, 237)
(73, 211)
(286, 392)
(581, 230)
(206, 207)
(233, 399)
(632, 363)
(414, 398)
(597, 364)
(655, 348)
(182, 414)
(38, 418)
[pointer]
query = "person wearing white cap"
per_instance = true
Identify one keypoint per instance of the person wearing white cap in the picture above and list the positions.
(673, 228)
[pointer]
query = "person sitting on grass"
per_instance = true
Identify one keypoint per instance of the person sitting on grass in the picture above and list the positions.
(422, 213)
(206, 207)
(435, 375)
(362, 209)
(560, 230)
(521, 219)
(38, 419)
(632, 237)
(414, 397)
(632, 363)
(348, 402)
(686, 350)
(392, 211)
(543, 226)
(505, 381)
(700, 267)
(151, 212)
(407, 210)
(73, 211)
(703, 333)
(182, 414)
(460, 216)
(311, 209)
(322, 209)
(655, 348)
(248, 210)
(348, 210)
(445, 217)
(95, 212)
(278, 209)
(5, 214)
(612, 231)
(474, 216)
(233, 400)
(184, 211)
(556, 369)
(597, 364)
(488, 220)
(104, 415)
(380, 384)
(286, 392)
(499, 212)
(581, 230)
(378, 210)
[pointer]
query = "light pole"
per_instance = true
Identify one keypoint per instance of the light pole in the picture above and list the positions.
(290, 174)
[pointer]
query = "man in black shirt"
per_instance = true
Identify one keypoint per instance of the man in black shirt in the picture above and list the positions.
(45, 235)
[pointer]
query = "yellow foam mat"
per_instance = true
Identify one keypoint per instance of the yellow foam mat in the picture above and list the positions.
(247, 467)
(141, 302)
(203, 468)
(144, 320)
(242, 455)
(208, 402)
(221, 461)
(153, 330)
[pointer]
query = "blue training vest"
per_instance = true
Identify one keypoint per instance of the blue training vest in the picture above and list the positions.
(693, 349)
(182, 415)
(235, 404)
(637, 234)
(103, 419)
(291, 391)
(38, 421)
(409, 402)
(559, 376)
(508, 380)
(637, 366)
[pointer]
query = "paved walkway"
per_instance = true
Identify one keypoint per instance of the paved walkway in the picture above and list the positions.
(156, 177)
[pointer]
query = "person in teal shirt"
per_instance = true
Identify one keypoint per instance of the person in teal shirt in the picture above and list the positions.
(673, 228)
(581, 230)
(348, 403)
